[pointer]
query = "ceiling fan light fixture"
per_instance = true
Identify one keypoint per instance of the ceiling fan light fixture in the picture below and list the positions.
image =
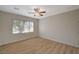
(38, 12)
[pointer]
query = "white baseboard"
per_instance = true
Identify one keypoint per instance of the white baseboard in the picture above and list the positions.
(51, 38)
(17, 40)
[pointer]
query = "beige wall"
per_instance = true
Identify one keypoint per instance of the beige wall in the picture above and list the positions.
(62, 28)
(6, 35)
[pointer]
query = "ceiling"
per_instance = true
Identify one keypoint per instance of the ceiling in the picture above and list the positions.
(25, 9)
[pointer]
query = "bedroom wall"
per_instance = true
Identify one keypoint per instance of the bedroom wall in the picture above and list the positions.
(6, 35)
(63, 28)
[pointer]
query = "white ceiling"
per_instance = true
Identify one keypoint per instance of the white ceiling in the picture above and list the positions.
(50, 9)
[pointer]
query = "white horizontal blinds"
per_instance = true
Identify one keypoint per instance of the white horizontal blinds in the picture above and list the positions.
(31, 26)
(26, 27)
(16, 26)
(23, 26)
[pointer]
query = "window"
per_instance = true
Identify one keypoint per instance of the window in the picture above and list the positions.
(22, 26)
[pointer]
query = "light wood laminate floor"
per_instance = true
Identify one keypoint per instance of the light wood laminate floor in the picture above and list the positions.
(38, 45)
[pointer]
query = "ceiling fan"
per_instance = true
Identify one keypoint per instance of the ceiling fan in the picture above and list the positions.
(38, 12)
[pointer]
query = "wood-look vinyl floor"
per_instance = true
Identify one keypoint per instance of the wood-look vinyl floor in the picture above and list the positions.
(38, 46)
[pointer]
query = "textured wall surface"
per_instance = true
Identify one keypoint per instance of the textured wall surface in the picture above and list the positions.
(63, 28)
(6, 35)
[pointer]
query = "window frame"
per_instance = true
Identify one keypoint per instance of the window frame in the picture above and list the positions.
(24, 21)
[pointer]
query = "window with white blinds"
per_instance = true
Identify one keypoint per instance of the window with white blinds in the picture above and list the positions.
(22, 26)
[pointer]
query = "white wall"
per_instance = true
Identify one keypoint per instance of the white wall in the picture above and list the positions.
(62, 28)
(6, 35)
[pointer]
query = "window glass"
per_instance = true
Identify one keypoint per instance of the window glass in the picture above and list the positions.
(22, 26)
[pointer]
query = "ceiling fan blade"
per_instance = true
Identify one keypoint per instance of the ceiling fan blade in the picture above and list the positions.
(36, 9)
(43, 12)
(40, 14)
(37, 12)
